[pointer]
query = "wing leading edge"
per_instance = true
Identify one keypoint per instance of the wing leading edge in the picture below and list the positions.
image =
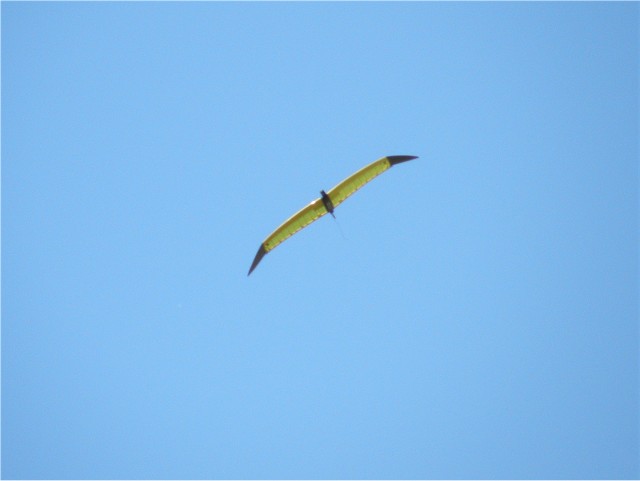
(316, 209)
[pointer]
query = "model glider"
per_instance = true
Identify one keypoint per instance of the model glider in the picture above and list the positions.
(327, 202)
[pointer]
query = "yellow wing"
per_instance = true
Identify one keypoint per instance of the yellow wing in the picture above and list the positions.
(317, 208)
(352, 183)
(293, 224)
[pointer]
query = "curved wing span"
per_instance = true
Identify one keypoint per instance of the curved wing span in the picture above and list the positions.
(317, 208)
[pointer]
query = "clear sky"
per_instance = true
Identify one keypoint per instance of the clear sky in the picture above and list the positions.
(471, 314)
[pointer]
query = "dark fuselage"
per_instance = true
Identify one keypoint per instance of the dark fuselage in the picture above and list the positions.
(326, 200)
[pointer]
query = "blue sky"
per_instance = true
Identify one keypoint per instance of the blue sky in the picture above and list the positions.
(472, 314)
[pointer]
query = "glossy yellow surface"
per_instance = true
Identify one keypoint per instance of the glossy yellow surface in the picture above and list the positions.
(293, 224)
(352, 183)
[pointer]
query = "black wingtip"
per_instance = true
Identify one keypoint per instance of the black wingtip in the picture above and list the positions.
(397, 159)
(261, 252)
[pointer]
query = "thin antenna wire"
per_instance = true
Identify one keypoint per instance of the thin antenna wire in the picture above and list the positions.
(339, 227)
